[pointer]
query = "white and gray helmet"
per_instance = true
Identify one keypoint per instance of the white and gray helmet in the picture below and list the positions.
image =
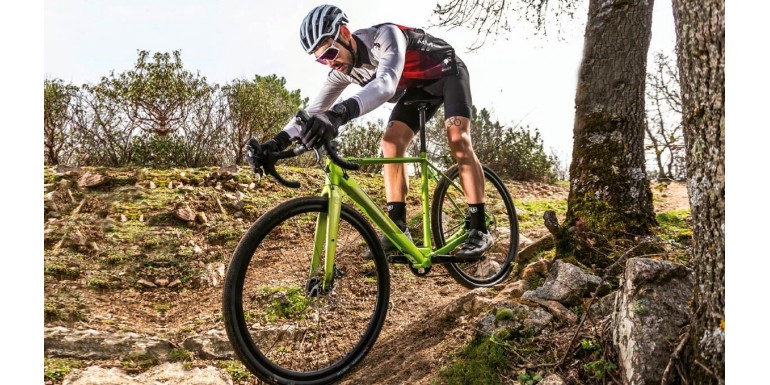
(322, 22)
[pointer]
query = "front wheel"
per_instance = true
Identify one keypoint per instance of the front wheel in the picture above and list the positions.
(282, 324)
(449, 214)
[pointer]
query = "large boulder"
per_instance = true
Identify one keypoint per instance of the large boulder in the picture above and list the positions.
(210, 345)
(95, 345)
(566, 284)
(650, 310)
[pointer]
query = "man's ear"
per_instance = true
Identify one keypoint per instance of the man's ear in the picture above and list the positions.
(345, 32)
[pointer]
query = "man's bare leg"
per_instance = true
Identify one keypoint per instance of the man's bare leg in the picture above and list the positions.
(394, 143)
(458, 129)
(472, 180)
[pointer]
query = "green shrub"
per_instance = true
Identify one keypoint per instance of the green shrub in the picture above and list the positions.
(157, 151)
(599, 368)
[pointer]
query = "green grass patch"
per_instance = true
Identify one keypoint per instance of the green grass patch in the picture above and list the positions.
(139, 361)
(180, 355)
(63, 306)
(674, 225)
(62, 270)
(285, 302)
(530, 213)
(480, 362)
(100, 283)
(224, 235)
(235, 369)
(503, 314)
(55, 369)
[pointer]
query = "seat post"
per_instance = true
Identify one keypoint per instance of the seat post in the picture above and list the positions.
(421, 108)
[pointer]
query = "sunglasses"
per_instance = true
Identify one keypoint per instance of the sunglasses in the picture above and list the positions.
(329, 54)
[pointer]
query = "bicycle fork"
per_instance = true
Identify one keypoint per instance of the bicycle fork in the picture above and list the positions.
(325, 239)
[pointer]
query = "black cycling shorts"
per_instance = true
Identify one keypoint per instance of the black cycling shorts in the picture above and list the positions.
(455, 91)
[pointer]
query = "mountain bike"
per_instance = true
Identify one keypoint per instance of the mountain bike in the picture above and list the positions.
(301, 303)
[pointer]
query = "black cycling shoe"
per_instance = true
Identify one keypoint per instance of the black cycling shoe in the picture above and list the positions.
(476, 244)
(387, 246)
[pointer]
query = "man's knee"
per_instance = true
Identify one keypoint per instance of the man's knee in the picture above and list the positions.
(458, 136)
(397, 137)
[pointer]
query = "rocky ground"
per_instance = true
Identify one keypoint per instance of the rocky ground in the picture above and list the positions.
(134, 261)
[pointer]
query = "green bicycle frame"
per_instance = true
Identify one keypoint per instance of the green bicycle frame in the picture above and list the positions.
(327, 225)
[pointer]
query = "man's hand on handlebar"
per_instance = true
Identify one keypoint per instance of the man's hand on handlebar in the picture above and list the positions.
(263, 157)
(320, 128)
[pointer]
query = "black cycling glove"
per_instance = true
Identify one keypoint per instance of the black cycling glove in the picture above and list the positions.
(320, 128)
(277, 144)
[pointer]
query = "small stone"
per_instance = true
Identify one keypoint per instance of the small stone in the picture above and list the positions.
(146, 283)
(197, 249)
(538, 268)
(92, 180)
(141, 218)
(94, 246)
(174, 283)
(123, 218)
(65, 184)
(557, 309)
(162, 282)
(252, 185)
(524, 241)
(50, 205)
(77, 237)
(152, 185)
(552, 379)
(184, 213)
(200, 217)
(218, 186)
(515, 289)
(230, 197)
(238, 214)
(170, 185)
(239, 195)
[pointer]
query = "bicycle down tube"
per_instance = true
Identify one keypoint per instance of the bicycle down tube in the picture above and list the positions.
(326, 231)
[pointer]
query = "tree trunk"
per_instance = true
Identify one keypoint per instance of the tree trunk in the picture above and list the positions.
(700, 31)
(610, 195)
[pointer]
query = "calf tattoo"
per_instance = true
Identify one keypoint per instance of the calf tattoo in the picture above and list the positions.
(455, 121)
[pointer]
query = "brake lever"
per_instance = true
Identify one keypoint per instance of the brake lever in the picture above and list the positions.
(252, 149)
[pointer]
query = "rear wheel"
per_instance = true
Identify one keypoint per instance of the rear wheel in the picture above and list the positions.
(283, 325)
(449, 214)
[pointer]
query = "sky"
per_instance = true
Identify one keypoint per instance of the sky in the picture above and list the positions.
(66, 39)
(522, 79)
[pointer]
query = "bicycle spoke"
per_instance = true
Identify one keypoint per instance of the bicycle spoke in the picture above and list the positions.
(293, 329)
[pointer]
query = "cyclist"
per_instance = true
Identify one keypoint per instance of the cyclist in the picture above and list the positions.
(392, 63)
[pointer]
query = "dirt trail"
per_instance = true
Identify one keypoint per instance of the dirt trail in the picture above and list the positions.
(422, 331)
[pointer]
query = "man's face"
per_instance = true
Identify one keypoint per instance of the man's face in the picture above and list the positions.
(343, 61)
